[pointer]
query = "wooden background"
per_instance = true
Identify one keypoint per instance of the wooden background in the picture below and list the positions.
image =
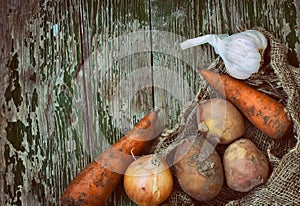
(76, 75)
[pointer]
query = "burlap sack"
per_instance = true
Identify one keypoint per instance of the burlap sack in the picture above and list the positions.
(281, 81)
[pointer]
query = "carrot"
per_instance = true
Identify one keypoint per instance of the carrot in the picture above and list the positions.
(97, 181)
(261, 110)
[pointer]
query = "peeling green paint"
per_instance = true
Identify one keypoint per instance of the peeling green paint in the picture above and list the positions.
(15, 132)
(49, 108)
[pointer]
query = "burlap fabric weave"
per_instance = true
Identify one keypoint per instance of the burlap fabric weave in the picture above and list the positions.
(281, 81)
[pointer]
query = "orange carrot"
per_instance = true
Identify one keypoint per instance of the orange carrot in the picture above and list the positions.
(264, 112)
(97, 181)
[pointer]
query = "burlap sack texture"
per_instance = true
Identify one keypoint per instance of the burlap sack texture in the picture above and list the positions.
(281, 81)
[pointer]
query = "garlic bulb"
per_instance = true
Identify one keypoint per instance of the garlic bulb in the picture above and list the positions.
(242, 53)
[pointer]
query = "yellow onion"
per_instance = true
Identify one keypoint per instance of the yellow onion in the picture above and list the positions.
(148, 180)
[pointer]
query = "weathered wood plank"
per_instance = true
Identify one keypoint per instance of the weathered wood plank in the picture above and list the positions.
(36, 104)
(75, 75)
(69, 57)
(115, 78)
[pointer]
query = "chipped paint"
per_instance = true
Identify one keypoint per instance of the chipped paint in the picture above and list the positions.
(53, 111)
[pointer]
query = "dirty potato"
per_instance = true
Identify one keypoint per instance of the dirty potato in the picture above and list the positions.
(245, 166)
(220, 121)
(201, 180)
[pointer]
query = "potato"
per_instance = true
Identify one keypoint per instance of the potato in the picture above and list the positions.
(245, 166)
(220, 121)
(201, 180)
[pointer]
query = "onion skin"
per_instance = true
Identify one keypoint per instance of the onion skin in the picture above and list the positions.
(148, 181)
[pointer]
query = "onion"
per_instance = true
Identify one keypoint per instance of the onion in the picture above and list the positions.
(148, 180)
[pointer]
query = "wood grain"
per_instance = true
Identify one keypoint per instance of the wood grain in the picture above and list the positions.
(76, 75)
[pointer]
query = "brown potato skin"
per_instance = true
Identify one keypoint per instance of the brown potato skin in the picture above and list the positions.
(222, 119)
(264, 112)
(245, 166)
(201, 180)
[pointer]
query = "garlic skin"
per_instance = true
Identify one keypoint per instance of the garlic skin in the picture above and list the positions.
(242, 53)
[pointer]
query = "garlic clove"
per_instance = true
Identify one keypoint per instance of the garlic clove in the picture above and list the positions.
(258, 38)
(236, 72)
(249, 63)
(233, 70)
(253, 39)
(242, 53)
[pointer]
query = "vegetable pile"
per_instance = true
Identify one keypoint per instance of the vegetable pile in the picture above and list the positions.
(264, 112)
(221, 121)
(198, 168)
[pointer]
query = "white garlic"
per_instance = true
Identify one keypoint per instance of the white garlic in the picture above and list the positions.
(241, 52)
